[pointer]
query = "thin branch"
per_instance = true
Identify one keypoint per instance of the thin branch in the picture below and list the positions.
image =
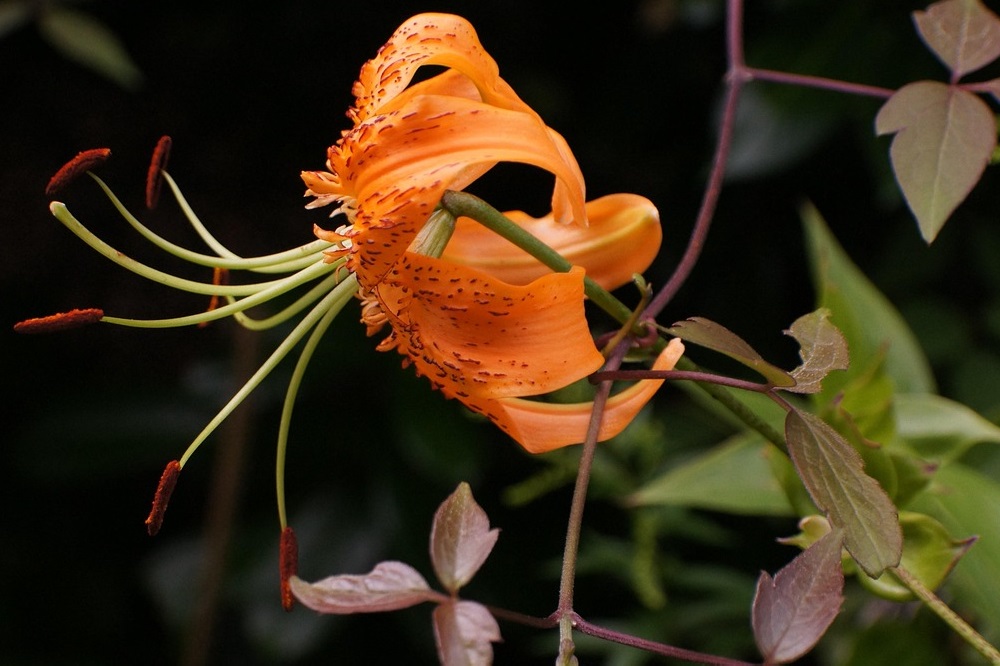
(652, 646)
(942, 610)
(823, 83)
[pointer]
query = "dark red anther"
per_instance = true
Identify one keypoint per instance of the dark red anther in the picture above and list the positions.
(83, 162)
(220, 276)
(166, 486)
(288, 565)
(60, 321)
(154, 177)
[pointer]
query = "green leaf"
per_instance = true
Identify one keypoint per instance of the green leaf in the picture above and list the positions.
(939, 429)
(929, 553)
(734, 477)
(823, 350)
(968, 504)
(91, 43)
(964, 34)
(869, 322)
(833, 473)
(944, 139)
(716, 337)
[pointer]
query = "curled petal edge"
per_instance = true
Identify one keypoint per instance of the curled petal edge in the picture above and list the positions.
(540, 427)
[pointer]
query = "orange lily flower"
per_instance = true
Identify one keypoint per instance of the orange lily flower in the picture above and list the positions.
(513, 328)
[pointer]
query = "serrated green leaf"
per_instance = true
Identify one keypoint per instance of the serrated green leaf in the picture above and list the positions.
(929, 553)
(939, 429)
(707, 333)
(734, 477)
(91, 43)
(944, 137)
(823, 350)
(870, 323)
(964, 34)
(832, 471)
(968, 504)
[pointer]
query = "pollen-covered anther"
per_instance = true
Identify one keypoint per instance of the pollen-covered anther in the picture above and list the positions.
(83, 162)
(288, 565)
(60, 321)
(154, 177)
(163, 490)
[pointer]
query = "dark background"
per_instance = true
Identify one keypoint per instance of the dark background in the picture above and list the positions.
(251, 98)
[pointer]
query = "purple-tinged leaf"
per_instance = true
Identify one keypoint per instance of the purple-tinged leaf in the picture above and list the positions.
(461, 539)
(964, 34)
(707, 333)
(992, 87)
(944, 139)
(793, 610)
(389, 586)
(464, 632)
(823, 349)
(833, 473)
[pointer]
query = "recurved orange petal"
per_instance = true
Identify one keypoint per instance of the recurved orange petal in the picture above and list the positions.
(541, 427)
(623, 238)
(430, 39)
(476, 337)
(398, 166)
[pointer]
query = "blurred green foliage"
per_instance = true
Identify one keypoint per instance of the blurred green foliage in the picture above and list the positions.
(253, 97)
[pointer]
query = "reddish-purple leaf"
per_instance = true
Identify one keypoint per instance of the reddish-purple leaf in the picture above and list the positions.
(964, 34)
(389, 586)
(461, 539)
(707, 333)
(992, 87)
(944, 139)
(823, 350)
(464, 632)
(793, 610)
(833, 473)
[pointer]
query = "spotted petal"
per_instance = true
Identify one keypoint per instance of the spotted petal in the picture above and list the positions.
(398, 165)
(541, 426)
(475, 336)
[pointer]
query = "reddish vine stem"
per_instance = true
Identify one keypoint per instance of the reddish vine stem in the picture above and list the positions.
(735, 78)
(654, 647)
(738, 74)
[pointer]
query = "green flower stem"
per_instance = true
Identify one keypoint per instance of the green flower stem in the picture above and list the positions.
(348, 288)
(335, 300)
(62, 214)
(281, 262)
(463, 204)
(942, 610)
